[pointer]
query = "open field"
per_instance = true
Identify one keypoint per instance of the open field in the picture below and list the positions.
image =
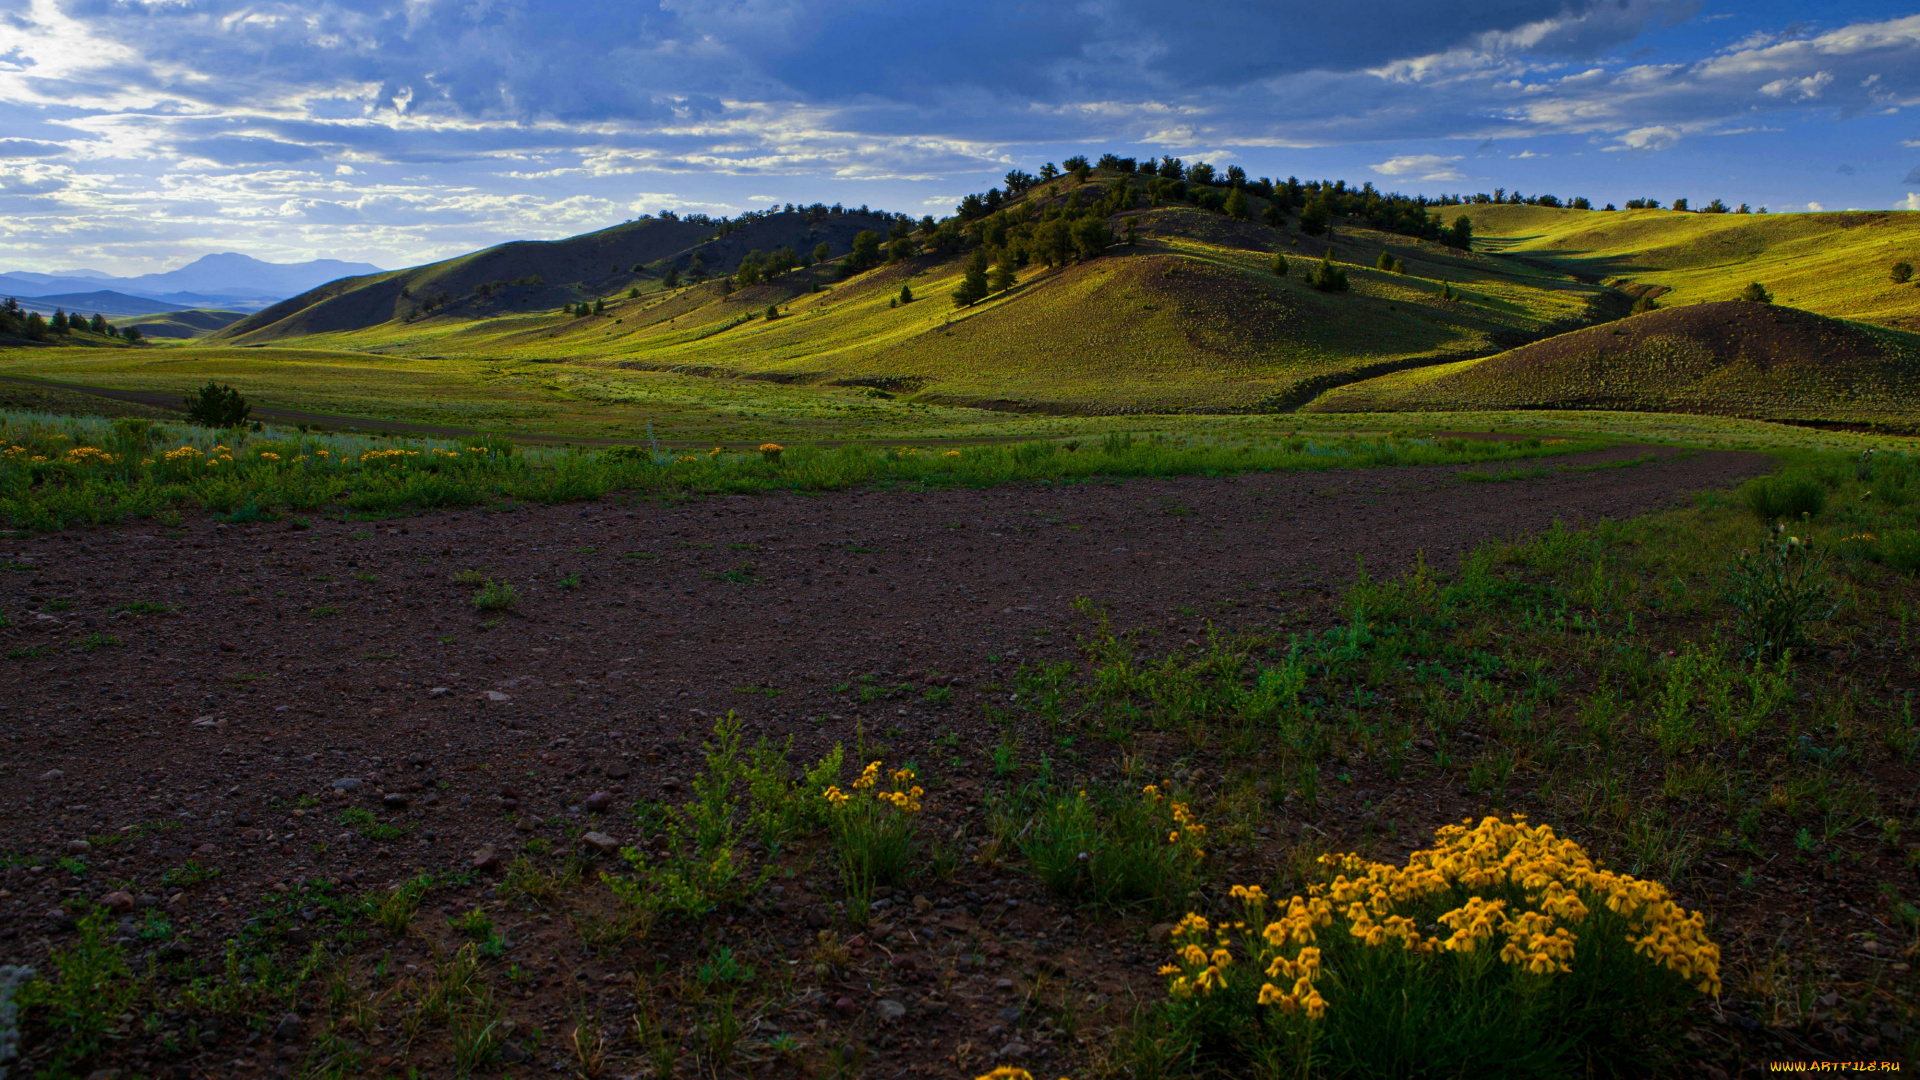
(390, 761)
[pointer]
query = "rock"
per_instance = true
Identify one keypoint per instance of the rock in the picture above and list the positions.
(393, 800)
(495, 695)
(617, 771)
(226, 646)
(485, 859)
(78, 847)
(922, 905)
(438, 691)
(207, 849)
(599, 801)
(288, 1029)
(1013, 1051)
(889, 1011)
(1159, 933)
(844, 1006)
(53, 774)
(346, 783)
(118, 901)
(670, 785)
(600, 842)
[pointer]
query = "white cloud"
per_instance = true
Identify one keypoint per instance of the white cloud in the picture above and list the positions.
(1911, 202)
(1657, 137)
(1421, 167)
(1815, 207)
(1803, 89)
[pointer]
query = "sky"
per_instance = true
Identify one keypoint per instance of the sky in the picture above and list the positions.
(137, 135)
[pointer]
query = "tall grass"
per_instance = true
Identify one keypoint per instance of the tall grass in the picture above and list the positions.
(57, 472)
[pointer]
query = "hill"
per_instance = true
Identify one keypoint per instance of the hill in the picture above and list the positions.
(1726, 358)
(1189, 316)
(211, 278)
(1830, 263)
(186, 324)
(102, 301)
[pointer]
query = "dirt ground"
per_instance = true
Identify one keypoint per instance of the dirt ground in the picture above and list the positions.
(343, 663)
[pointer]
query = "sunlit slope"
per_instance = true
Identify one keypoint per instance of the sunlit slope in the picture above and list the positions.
(1831, 263)
(1727, 358)
(1191, 317)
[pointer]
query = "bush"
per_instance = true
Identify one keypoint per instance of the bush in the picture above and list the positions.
(1774, 498)
(1501, 943)
(1902, 273)
(1644, 303)
(1385, 262)
(1756, 293)
(496, 596)
(1279, 266)
(1327, 277)
(1143, 850)
(873, 833)
(218, 406)
(1776, 592)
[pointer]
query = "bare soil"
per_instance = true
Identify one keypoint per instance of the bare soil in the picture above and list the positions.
(292, 659)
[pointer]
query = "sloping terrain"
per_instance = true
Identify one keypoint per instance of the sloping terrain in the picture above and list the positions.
(1831, 263)
(1729, 357)
(1190, 316)
(191, 323)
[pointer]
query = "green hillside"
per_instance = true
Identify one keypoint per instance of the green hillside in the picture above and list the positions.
(1727, 358)
(184, 325)
(1189, 316)
(1830, 263)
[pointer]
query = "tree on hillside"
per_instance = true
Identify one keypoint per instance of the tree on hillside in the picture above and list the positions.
(906, 294)
(1048, 172)
(1714, 207)
(1756, 293)
(1276, 212)
(1002, 277)
(1052, 242)
(1078, 167)
(1579, 202)
(1327, 277)
(37, 326)
(671, 279)
(1644, 304)
(1279, 265)
(1680, 205)
(1236, 175)
(902, 248)
(59, 321)
(1171, 169)
(973, 287)
(1016, 182)
(133, 335)
(822, 251)
(1315, 218)
(866, 250)
(1091, 237)
(1236, 205)
(1460, 235)
(1385, 262)
(1902, 272)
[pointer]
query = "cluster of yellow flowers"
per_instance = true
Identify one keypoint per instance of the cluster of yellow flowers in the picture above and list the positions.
(14, 452)
(951, 453)
(905, 797)
(1186, 828)
(182, 456)
(393, 458)
(87, 455)
(446, 453)
(771, 448)
(1559, 881)
(1009, 1072)
(268, 455)
(476, 449)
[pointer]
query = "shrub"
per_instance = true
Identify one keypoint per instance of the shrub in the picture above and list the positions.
(1773, 498)
(1502, 943)
(1756, 293)
(1143, 850)
(496, 596)
(1279, 265)
(1776, 591)
(698, 872)
(81, 1005)
(1902, 273)
(873, 833)
(906, 294)
(1385, 262)
(1900, 549)
(218, 406)
(1327, 277)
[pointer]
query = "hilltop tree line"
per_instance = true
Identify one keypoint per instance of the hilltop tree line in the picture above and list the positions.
(20, 323)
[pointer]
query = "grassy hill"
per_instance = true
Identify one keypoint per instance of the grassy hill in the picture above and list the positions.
(1190, 317)
(1726, 358)
(1831, 263)
(184, 325)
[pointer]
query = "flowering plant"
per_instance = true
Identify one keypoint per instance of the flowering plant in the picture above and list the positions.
(873, 832)
(1502, 942)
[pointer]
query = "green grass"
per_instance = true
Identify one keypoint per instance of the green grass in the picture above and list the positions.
(1830, 263)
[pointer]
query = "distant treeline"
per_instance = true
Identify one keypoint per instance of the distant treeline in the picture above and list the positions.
(15, 322)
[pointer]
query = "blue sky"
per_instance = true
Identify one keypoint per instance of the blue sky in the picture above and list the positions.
(136, 135)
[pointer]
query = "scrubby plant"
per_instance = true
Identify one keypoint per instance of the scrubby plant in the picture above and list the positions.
(1279, 265)
(1644, 303)
(698, 873)
(1901, 273)
(496, 596)
(1776, 592)
(1327, 277)
(218, 406)
(1501, 943)
(1756, 293)
(1788, 498)
(1142, 849)
(873, 831)
(81, 1002)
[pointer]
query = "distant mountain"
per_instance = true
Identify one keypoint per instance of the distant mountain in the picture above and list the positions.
(228, 280)
(100, 301)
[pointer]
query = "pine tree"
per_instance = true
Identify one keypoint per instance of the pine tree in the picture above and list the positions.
(1279, 265)
(1236, 206)
(773, 312)
(1327, 277)
(822, 251)
(1315, 218)
(906, 294)
(1902, 273)
(59, 321)
(1399, 267)
(133, 335)
(1385, 262)
(1002, 278)
(1446, 291)
(1133, 231)
(671, 279)
(1274, 215)
(973, 288)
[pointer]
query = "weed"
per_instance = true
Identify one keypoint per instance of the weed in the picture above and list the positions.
(699, 872)
(873, 833)
(1784, 498)
(80, 1005)
(396, 909)
(188, 874)
(470, 578)
(570, 582)
(1128, 849)
(496, 596)
(361, 820)
(1776, 592)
